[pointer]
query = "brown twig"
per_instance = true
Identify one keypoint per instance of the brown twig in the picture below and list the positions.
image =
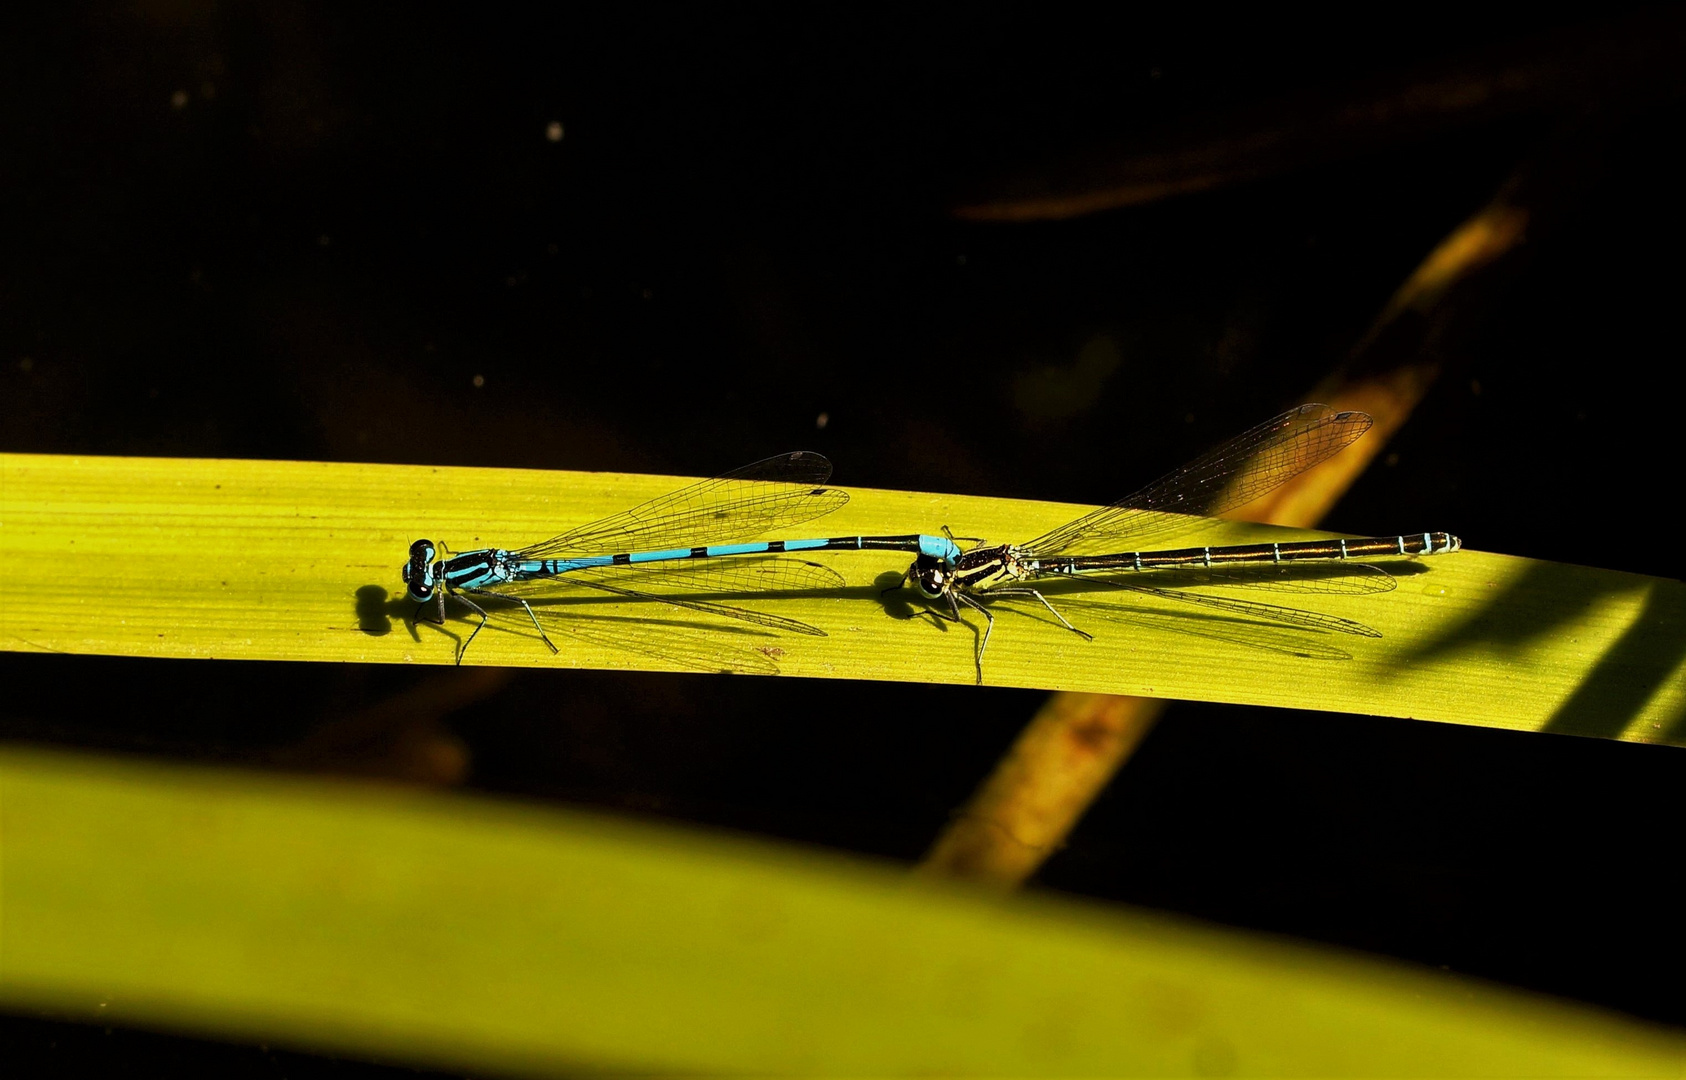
(1075, 743)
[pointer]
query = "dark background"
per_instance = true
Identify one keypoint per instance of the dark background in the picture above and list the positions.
(291, 231)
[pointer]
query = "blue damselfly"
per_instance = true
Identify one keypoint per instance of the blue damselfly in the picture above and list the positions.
(602, 559)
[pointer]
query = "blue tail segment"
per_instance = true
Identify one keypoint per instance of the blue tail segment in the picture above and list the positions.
(489, 567)
(478, 569)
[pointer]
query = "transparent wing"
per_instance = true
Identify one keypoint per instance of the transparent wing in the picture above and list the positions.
(684, 629)
(569, 590)
(674, 640)
(1257, 461)
(1243, 622)
(697, 653)
(1326, 579)
(1253, 635)
(1253, 609)
(740, 505)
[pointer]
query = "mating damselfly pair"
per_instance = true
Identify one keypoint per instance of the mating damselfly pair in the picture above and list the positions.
(694, 549)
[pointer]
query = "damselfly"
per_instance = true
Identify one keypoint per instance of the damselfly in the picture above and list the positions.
(605, 558)
(1243, 469)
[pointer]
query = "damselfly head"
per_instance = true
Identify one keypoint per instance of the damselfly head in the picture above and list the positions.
(930, 575)
(418, 572)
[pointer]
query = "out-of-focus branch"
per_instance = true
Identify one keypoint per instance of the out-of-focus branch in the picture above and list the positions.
(1067, 754)
(1076, 742)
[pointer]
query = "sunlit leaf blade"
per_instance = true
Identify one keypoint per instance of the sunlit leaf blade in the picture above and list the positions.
(300, 561)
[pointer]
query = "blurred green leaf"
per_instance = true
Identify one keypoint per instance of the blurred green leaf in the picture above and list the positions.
(475, 934)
